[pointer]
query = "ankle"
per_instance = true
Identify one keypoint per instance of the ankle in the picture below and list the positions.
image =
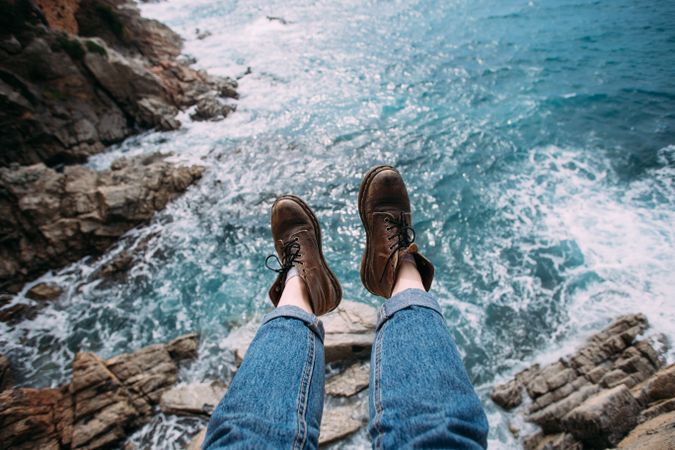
(408, 277)
(295, 294)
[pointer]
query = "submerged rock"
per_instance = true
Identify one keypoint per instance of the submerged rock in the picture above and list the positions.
(44, 291)
(56, 218)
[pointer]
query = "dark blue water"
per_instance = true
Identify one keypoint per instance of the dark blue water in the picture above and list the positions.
(537, 140)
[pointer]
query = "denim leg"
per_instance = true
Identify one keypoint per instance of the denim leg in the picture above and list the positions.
(275, 399)
(420, 394)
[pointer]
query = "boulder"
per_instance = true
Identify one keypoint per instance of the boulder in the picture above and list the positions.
(603, 419)
(6, 375)
(507, 395)
(351, 381)
(210, 108)
(44, 291)
(339, 422)
(350, 331)
(194, 398)
(655, 434)
(549, 418)
(56, 218)
(184, 347)
(656, 409)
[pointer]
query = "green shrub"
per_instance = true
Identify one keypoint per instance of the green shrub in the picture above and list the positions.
(93, 47)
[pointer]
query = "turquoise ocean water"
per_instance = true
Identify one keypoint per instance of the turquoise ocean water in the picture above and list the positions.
(537, 140)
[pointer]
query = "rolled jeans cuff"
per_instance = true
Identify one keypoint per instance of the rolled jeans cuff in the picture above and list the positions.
(406, 299)
(311, 321)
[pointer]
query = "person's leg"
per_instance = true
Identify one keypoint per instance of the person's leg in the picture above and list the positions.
(276, 397)
(420, 394)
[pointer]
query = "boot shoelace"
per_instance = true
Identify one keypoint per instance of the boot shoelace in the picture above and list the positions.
(405, 235)
(290, 252)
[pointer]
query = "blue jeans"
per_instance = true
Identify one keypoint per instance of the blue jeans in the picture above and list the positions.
(420, 395)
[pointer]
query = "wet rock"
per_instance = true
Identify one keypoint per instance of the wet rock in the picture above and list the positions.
(6, 375)
(210, 108)
(56, 218)
(603, 419)
(507, 395)
(339, 422)
(349, 382)
(184, 347)
(44, 291)
(350, 331)
(655, 434)
(194, 398)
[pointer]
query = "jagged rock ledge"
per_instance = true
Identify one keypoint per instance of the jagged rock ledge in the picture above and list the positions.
(101, 406)
(78, 75)
(613, 392)
(49, 219)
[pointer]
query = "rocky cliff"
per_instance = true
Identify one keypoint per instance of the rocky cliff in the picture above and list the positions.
(76, 76)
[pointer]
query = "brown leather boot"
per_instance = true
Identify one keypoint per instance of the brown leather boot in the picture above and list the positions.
(297, 240)
(385, 212)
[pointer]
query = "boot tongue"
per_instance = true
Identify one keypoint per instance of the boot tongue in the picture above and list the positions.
(412, 248)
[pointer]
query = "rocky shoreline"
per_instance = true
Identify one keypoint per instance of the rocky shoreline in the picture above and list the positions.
(75, 77)
(107, 400)
(613, 392)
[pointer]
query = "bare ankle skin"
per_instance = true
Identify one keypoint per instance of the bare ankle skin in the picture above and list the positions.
(295, 293)
(408, 278)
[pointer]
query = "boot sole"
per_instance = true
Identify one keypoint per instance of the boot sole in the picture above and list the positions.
(317, 233)
(365, 185)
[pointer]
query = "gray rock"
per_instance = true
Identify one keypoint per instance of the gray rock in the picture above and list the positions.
(656, 409)
(210, 108)
(194, 398)
(559, 441)
(603, 419)
(349, 382)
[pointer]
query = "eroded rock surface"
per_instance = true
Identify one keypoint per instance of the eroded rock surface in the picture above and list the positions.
(103, 404)
(594, 397)
(49, 219)
(76, 76)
